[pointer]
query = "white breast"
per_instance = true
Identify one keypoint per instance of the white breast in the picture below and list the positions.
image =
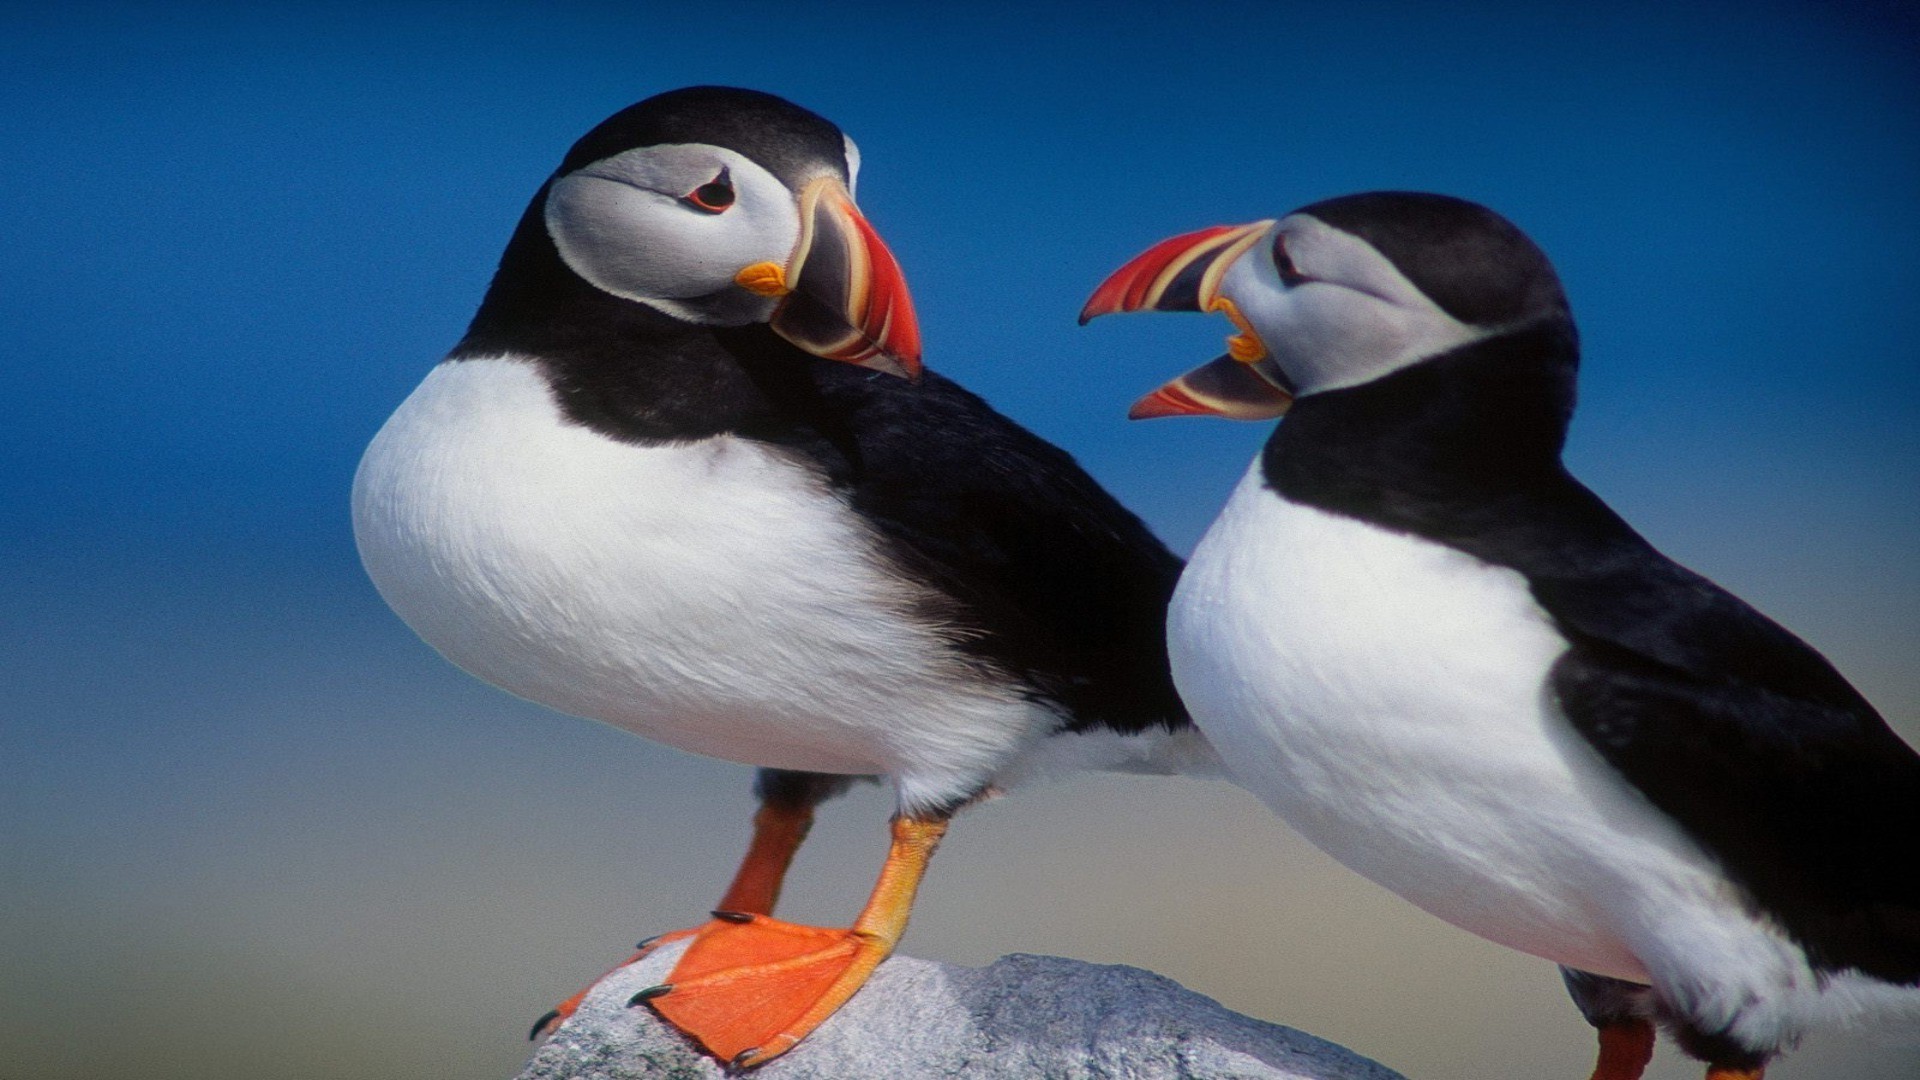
(711, 594)
(1387, 697)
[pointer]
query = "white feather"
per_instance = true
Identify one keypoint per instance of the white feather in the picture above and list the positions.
(1387, 697)
(713, 595)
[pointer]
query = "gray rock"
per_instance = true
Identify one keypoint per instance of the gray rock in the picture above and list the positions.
(1024, 1017)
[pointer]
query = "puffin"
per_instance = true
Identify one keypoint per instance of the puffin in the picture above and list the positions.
(685, 474)
(1433, 652)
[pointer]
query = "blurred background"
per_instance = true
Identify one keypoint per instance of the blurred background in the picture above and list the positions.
(250, 826)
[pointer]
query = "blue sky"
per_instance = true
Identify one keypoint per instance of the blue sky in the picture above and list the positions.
(235, 237)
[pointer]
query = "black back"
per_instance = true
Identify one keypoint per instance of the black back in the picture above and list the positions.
(1727, 722)
(1045, 576)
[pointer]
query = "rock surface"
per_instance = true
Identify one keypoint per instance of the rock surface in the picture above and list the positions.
(1024, 1017)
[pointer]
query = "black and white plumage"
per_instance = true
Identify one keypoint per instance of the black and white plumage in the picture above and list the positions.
(645, 511)
(1441, 658)
(636, 490)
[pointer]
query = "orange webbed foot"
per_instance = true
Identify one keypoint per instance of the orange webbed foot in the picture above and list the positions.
(559, 1014)
(778, 828)
(750, 987)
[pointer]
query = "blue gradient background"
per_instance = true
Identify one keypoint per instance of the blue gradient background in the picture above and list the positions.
(249, 826)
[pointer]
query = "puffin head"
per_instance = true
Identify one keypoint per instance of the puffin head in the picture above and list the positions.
(720, 207)
(1336, 294)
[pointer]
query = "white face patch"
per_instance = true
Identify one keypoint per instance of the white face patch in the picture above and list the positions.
(626, 225)
(1357, 319)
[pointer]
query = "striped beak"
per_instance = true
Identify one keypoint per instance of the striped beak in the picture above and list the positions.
(1184, 274)
(843, 295)
(1235, 389)
(1181, 274)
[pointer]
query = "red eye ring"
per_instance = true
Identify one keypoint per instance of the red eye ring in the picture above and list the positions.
(1283, 262)
(714, 196)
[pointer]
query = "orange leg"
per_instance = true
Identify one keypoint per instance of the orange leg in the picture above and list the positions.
(1730, 1072)
(778, 829)
(1625, 1048)
(750, 987)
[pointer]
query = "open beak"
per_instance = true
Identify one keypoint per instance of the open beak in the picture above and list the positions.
(843, 295)
(1184, 274)
(1235, 389)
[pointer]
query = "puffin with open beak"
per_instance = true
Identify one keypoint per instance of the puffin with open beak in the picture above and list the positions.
(1442, 659)
(684, 475)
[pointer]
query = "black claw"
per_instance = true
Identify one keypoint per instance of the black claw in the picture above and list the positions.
(740, 1059)
(733, 916)
(650, 993)
(540, 1025)
(647, 941)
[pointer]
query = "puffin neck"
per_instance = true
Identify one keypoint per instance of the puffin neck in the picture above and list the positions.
(619, 367)
(1429, 447)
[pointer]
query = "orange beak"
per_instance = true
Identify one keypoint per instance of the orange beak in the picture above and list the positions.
(1184, 274)
(844, 295)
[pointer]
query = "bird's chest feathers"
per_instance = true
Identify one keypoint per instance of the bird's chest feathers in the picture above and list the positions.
(1388, 697)
(652, 586)
(1367, 673)
(1360, 621)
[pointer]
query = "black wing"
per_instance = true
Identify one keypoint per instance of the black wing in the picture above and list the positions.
(1741, 731)
(1049, 578)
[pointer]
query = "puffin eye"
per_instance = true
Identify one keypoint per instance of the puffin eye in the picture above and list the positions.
(1283, 262)
(713, 196)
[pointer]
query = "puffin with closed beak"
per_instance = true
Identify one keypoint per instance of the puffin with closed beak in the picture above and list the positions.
(684, 475)
(1442, 659)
